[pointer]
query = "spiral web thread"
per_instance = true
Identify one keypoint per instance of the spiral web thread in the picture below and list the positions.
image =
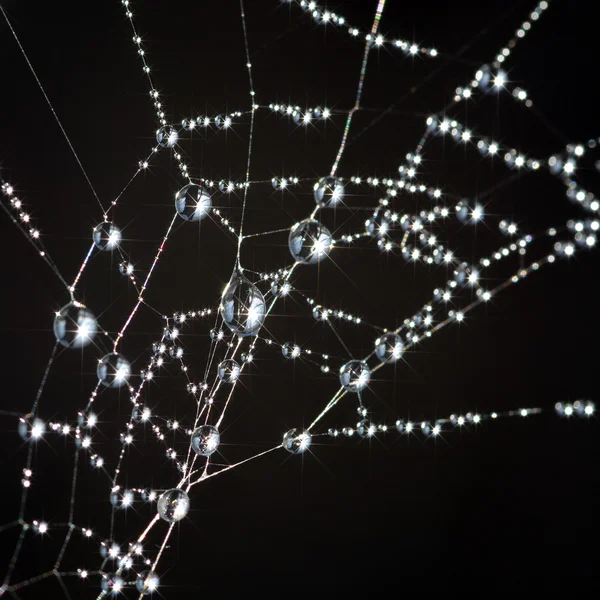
(412, 235)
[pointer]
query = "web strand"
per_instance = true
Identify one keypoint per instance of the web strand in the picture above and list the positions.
(361, 81)
(14, 33)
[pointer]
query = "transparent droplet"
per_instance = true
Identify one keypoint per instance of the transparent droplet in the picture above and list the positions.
(280, 289)
(379, 224)
(205, 440)
(173, 505)
(106, 236)
(112, 584)
(74, 326)
(243, 306)
(318, 312)
(159, 348)
(167, 136)
(23, 430)
(216, 334)
(389, 347)
(109, 549)
(228, 370)
(355, 375)
(296, 441)
(290, 350)
(462, 212)
(309, 241)
(147, 582)
(462, 273)
(126, 268)
(114, 370)
(329, 191)
(484, 77)
(176, 352)
(193, 202)
(366, 429)
(188, 124)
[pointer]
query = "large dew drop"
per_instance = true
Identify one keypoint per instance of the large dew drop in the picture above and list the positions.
(192, 202)
(309, 241)
(114, 370)
(205, 440)
(389, 347)
(296, 441)
(106, 236)
(167, 136)
(173, 505)
(355, 375)
(74, 326)
(329, 191)
(243, 306)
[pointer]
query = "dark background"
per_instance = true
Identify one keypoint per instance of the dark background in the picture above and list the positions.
(509, 500)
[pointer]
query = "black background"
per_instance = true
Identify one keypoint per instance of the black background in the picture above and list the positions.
(511, 499)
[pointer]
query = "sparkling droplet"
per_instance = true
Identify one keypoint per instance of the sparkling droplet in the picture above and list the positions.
(484, 77)
(366, 429)
(318, 312)
(114, 370)
(229, 370)
(296, 441)
(290, 350)
(167, 136)
(173, 505)
(192, 203)
(106, 236)
(205, 440)
(309, 241)
(243, 306)
(113, 584)
(389, 347)
(147, 582)
(176, 352)
(109, 549)
(216, 334)
(220, 122)
(355, 375)
(126, 268)
(329, 191)
(379, 224)
(74, 326)
(158, 348)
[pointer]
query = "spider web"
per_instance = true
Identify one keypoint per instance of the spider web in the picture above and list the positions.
(408, 217)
